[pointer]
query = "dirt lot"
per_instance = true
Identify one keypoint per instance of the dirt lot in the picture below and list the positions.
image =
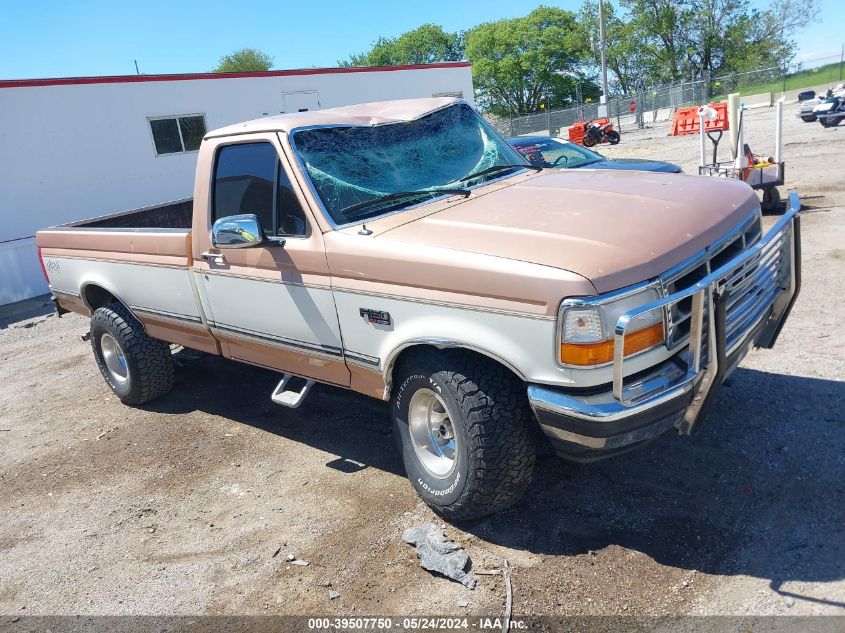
(191, 505)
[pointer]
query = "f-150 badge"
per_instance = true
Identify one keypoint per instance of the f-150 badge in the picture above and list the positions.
(376, 316)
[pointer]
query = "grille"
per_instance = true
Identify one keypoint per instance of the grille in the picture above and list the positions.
(751, 288)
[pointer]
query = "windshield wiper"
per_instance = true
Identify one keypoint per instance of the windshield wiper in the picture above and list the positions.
(399, 195)
(495, 168)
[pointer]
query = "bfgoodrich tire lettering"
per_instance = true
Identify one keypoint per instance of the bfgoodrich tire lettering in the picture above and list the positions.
(489, 415)
(146, 368)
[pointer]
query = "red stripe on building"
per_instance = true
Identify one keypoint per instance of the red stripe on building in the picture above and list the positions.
(121, 79)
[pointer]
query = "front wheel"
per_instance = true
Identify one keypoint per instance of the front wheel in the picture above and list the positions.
(830, 121)
(462, 425)
(135, 366)
(613, 137)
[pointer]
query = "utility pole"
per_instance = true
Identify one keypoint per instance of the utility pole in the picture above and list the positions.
(603, 56)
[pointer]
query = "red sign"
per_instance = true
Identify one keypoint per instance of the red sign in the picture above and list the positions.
(632, 106)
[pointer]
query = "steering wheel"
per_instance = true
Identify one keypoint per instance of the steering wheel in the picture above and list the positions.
(565, 160)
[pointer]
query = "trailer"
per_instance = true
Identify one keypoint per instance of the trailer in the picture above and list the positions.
(760, 172)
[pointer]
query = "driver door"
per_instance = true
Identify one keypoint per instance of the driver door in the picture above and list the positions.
(270, 304)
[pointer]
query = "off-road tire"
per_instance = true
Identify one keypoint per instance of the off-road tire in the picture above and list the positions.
(489, 410)
(148, 360)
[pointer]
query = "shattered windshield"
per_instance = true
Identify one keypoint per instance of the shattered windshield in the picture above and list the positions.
(362, 172)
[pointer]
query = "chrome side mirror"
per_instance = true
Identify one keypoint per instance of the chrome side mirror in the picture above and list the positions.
(237, 231)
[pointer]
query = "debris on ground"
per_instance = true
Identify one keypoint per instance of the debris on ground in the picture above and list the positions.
(333, 594)
(438, 554)
(301, 563)
(104, 433)
(504, 572)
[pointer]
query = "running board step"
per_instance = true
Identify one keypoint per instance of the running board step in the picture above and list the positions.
(290, 397)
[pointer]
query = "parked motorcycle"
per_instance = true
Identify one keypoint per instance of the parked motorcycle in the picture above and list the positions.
(832, 111)
(595, 134)
(809, 101)
(805, 112)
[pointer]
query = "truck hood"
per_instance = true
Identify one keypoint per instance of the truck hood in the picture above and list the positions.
(614, 228)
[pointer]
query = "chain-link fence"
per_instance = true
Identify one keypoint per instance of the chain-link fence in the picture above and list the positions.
(636, 109)
(658, 104)
(805, 74)
(754, 81)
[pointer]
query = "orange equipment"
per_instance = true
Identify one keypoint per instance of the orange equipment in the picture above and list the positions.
(686, 120)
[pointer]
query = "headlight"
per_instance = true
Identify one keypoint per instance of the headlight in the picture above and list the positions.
(586, 327)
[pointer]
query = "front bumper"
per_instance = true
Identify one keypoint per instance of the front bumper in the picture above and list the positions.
(637, 408)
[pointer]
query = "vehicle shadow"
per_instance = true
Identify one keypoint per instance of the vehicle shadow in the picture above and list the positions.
(352, 426)
(13, 313)
(758, 491)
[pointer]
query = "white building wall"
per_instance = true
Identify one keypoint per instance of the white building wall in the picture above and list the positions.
(71, 152)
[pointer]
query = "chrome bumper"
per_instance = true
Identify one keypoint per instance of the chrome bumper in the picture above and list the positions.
(760, 285)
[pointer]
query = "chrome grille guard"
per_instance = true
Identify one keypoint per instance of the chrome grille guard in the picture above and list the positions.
(708, 320)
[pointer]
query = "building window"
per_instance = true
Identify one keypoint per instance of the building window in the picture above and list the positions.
(177, 134)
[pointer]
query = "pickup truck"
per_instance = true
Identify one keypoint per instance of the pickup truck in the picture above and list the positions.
(405, 251)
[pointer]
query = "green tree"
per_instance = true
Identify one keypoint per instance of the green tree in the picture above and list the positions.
(690, 39)
(244, 60)
(426, 44)
(519, 64)
(630, 56)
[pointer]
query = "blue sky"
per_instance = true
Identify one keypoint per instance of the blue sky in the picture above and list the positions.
(57, 38)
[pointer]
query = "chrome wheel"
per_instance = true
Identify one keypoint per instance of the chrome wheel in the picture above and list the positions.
(432, 433)
(114, 358)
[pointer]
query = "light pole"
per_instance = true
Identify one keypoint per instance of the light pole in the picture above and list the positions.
(603, 57)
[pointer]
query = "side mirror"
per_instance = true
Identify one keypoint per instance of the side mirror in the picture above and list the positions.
(237, 231)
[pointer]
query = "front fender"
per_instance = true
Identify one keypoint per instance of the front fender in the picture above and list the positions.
(521, 342)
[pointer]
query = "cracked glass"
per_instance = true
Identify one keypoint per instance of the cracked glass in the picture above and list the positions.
(351, 165)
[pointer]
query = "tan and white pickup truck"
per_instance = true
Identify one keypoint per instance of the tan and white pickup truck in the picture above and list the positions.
(404, 250)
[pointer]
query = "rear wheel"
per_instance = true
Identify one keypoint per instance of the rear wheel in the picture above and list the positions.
(137, 367)
(808, 118)
(588, 141)
(613, 136)
(462, 425)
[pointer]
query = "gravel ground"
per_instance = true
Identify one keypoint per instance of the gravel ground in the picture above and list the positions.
(192, 504)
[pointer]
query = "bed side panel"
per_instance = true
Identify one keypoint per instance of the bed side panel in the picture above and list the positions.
(166, 247)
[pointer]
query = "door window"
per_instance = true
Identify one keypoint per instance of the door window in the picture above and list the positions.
(291, 219)
(248, 178)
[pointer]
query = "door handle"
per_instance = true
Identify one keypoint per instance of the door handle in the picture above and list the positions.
(216, 257)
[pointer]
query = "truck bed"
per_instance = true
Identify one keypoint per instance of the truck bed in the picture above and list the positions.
(170, 215)
(159, 234)
(141, 256)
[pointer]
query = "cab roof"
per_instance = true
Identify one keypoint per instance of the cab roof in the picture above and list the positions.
(363, 114)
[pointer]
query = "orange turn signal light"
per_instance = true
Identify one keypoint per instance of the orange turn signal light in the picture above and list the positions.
(602, 352)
